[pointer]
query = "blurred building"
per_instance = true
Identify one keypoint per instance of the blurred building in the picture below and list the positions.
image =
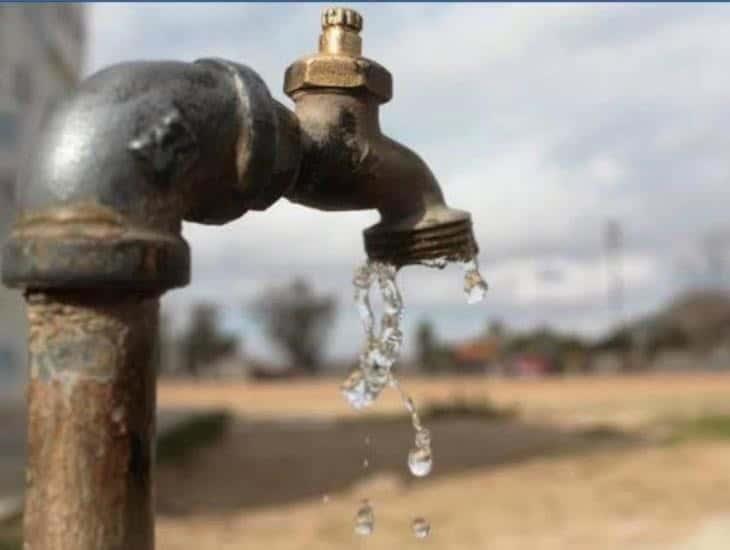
(41, 57)
(480, 356)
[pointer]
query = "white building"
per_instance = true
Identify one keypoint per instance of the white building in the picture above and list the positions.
(41, 57)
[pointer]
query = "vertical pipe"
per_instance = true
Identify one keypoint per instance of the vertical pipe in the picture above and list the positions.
(91, 405)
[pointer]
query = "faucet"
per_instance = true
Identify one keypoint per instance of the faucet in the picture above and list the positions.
(120, 163)
(348, 164)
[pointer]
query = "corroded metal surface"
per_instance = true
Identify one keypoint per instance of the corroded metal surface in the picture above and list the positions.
(91, 422)
(348, 164)
(143, 146)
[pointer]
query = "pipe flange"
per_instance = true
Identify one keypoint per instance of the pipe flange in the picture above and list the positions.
(92, 247)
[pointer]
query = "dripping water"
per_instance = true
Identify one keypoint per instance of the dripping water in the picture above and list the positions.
(380, 352)
(421, 528)
(475, 287)
(365, 519)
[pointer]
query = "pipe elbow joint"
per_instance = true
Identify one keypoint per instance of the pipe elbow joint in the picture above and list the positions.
(139, 148)
(348, 164)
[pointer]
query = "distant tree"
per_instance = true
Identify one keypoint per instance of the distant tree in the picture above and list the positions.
(705, 264)
(298, 321)
(558, 347)
(203, 342)
(715, 247)
(667, 336)
(496, 329)
(168, 346)
(618, 340)
(432, 355)
(426, 346)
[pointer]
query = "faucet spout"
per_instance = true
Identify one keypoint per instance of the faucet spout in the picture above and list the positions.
(349, 164)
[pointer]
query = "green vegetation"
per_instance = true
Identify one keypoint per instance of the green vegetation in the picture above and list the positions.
(204, 342)
(13, 543)
(173, 446)
(602, 432)
(10, 535)
(199, 431)
(712, 426)
(460, 407)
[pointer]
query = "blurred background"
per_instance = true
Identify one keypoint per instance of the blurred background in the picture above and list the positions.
(584, 403)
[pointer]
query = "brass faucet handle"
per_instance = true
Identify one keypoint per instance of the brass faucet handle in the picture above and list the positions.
(341, 32)
(343, 17)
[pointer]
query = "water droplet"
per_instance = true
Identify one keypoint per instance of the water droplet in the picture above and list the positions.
(423, 438)
(325, 499)
(365, 519)
(437, 263)
(367, 440)
(381, 350)
(420, 461)
(365, 463)
(357, 390)
(421, 528)
(475, 287)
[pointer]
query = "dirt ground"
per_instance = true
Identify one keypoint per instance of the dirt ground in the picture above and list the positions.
(560, 475)
(625, 400)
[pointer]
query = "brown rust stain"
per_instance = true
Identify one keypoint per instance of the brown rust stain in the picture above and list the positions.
(91, 422)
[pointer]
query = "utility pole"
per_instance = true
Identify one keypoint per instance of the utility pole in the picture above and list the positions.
(613, 242)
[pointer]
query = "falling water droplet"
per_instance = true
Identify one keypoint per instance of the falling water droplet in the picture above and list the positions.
(420, 461)
(423, 438)
(356, 390)
(421, 528)
(475, 287)
(381, 351)
(382, 347)
(365, 519)
(365, 464)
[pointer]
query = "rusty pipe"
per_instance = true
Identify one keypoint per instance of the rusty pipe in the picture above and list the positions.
(91, 427)
(139, 148)
(349, 164)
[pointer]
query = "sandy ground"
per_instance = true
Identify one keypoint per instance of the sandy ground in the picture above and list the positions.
(647, 500)
(290, 475)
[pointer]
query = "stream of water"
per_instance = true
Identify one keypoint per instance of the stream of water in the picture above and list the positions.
(381, 350)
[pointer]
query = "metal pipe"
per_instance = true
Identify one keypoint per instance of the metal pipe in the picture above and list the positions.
(120, 164)
(91, 398)
(139, 148)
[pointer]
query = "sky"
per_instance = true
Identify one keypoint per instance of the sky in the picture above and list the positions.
(545, 121)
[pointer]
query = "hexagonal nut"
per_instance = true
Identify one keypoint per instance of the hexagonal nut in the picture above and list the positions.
(332, 71)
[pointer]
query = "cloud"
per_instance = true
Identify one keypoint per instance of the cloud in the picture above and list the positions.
(543, 120)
